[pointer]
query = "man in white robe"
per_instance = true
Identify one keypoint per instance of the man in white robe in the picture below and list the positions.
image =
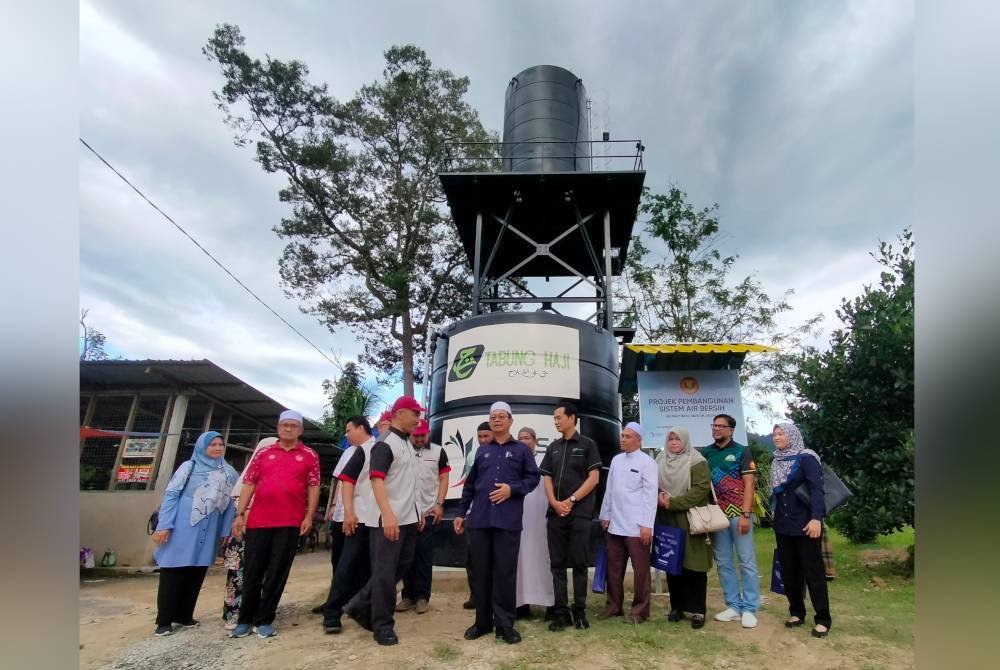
(627, 513)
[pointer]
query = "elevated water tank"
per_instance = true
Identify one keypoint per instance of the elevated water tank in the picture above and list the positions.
(547, 106)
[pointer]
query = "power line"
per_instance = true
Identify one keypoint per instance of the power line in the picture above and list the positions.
(205, 251)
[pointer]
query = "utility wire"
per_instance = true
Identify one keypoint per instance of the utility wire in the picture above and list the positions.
(205, 251)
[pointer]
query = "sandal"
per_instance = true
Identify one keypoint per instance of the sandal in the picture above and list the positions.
(794, 622)
(816, 632)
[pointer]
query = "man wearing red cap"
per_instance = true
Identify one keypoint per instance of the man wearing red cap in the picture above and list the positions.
(393, 522)
(432, 487)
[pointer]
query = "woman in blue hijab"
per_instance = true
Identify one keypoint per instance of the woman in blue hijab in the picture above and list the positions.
(196, 512)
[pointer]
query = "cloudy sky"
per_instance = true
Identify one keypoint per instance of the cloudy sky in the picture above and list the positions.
(797, 118)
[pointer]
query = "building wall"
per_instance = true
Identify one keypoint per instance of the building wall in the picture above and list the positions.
(117, 520)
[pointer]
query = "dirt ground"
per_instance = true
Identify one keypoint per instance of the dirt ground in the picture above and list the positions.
(117, 620)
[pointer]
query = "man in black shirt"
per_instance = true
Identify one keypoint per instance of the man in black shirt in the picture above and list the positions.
(570, 471)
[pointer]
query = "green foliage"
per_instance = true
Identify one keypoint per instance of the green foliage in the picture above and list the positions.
(348, 396)
(370, 246)
(854, 401)
(687, 294)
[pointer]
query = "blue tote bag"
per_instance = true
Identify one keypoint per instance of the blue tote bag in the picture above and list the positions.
(668, 549)
(600, 569)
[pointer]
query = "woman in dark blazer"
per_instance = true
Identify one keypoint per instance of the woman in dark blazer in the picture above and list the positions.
(798, 526)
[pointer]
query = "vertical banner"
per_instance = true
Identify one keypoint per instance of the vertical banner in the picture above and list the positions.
(458, 437)
(690, 400)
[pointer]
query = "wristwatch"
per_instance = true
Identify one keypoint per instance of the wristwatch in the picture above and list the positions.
(745, 515)
(572, 499)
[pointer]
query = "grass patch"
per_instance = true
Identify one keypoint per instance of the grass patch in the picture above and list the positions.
(445, 652)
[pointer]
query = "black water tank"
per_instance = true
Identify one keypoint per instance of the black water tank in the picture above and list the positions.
(546, 103)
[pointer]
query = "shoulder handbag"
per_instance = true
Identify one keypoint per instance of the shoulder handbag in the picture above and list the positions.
(154, 518)
(835, 492)
(707, 518)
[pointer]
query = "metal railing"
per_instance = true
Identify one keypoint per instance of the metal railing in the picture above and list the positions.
(499, 156)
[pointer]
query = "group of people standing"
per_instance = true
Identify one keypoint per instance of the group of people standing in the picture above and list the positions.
(523, 537)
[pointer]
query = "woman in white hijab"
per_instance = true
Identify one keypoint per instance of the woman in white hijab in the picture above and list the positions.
(234, 554)
(685, 482)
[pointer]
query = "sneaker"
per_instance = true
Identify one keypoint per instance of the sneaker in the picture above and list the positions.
(332, 626)
(386, 638)
(422, 607)
(189, 624)
(241, 630)
(749, 620)
(405, 605)
(162, 631)
(266, 630)
(728, 614)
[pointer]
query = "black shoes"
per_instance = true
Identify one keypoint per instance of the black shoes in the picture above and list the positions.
(469, 604)
(386, 638)
(580, 619)
(675, 615)
(474, 632)
(332, 627)
(558, 623)
(509, 635)
(524, 612)
(816, 632)
(697, 621)
(318, 609)
(794, 622)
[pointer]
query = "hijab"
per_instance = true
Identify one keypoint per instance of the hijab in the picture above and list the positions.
(786, 460)
(212, 478)
(266, 442)
(675, 469)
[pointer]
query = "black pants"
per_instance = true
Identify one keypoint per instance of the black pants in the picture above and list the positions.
(389, 560)
(267, 558)
(687, 591)
(178, 593)
(336, 548)
(470, 575)
(494, 555)
(353, 571)
(569, 547)
(417, 580)
(802, 564)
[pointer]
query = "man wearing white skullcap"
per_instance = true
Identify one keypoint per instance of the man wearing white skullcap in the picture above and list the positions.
(627, 513)
(502, 473)
(282, 482)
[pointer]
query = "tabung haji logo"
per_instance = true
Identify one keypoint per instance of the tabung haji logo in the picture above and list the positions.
(465, 362)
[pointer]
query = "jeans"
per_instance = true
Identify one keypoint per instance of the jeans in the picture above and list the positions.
(723, 543)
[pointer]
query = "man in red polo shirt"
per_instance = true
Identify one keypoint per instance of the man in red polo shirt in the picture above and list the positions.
(282, 482)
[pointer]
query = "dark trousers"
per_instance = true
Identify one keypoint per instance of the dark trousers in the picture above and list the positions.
(389, 561)
(687, 591)
(336, 548)
(178, 593)
(267, 559)
(802, 564)
(470, 575)
(569, 547)
(353, 570)
(417, 580)
(619, 549)
(494, 555)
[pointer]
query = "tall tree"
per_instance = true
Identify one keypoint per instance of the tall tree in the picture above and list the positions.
(687, 295)
(370, 246)
(854, 401)
(92, 341)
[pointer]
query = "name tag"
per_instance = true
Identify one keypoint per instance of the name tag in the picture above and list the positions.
(633, 470)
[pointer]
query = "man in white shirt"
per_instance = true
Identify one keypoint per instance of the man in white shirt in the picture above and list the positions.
(627, 513)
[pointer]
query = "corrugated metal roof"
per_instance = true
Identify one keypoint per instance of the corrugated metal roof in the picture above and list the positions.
(674, 356)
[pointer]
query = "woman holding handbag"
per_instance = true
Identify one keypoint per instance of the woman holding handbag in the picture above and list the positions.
(195, 514)
(685, 482)
(798, 526)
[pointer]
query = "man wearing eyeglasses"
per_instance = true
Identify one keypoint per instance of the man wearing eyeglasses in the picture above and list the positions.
(733, 476)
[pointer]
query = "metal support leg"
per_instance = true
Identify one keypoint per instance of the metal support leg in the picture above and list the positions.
(608, 315)
(476, 277)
